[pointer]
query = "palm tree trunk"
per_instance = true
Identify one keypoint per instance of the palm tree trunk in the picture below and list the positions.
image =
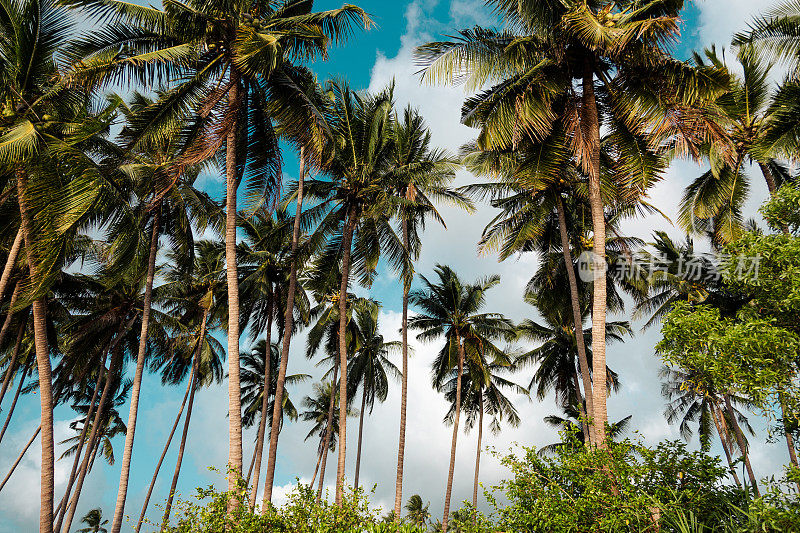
(316, 468)
(577, 318)
(232, 276)
(164, 452)
(14, 402)
(347, 239)
(10, 261)
(12, 366)
(581, 411)
(288, 326)
(262, 426)
(723, 438)
(192, 388)
(113, 371)
(478, 452)
(81, 441)
(449, 490)
(19, 458)
(737, 431)
(360, 434)
(788, 434)
(768, 177)
(42, 363)
(401, 446)
(326, 440)
(10, 315)
(127, 453)
(591, 131)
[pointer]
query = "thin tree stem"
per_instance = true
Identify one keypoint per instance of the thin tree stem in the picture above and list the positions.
(164, 452)
(192, 389)
(127, 453)
(723, 438)
(10, 261)
(9, 315)
(326, 440)
(451, 471)
(12, 366)
(737, 431)
(14, 402)
(577, 318)
(478, 451)
(401, 445)
(19, 458)
(360, 434)
(262, 425)
(288, 326)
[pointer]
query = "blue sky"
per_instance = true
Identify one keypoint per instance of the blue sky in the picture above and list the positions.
(371, 61)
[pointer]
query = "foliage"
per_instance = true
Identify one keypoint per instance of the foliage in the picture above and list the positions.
(748, 354)
(624, 488)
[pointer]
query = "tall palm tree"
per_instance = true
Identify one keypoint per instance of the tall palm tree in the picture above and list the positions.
(450, 308)
(482, 388)
(369, 368)
(237, 63)
(420, 176)
(713, 202)
(258, 389)
(356, 203)
(532, 66)
(690, 403)
(41, 128)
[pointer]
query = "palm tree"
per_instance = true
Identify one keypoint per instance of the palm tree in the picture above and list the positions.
(326, 423)
(41, 128)
(690, 403)
(482, 388)
(255, 380)
(417, 512)
(713, 202)
(237, 63)
(420, 177)
(533, 65)
(450, 308)
(94, 522)
(356, 203)
(572, 425)
(369, 368)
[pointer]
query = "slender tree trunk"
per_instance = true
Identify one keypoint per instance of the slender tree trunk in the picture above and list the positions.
(192, 390)
(326, 440)
(10, 261)
(360, 434)
(768, 177)
(316, 468)
(288, 326)
(737, 431)
(581, 410)
(401, 446)
(234, 385)
(347, 239)
(127, 453)
(19, 458)
(164, 452)
(113, 371)
(262, 426)
(12, 366)
(723, 438)
(591, 132)
(42, 363)
(449, 489)
(81, 441)
(577, 318)
(14, 402)
(10, 315)
(478, 452)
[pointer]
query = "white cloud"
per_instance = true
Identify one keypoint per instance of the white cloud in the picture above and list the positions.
(721, 19)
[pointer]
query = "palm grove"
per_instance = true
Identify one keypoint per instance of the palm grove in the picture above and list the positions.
(116, 260)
